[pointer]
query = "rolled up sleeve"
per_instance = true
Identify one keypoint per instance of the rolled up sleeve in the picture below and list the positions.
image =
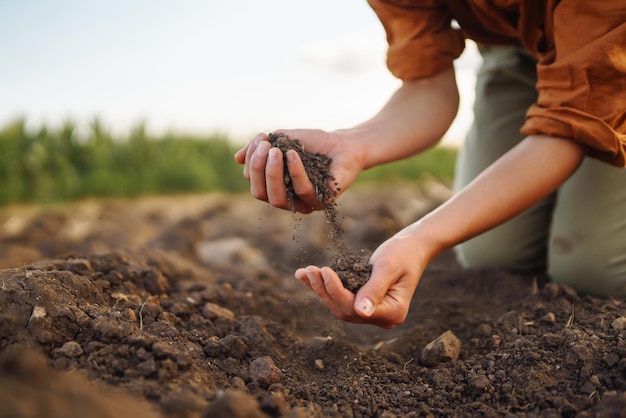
(421, 39)
(582, 82)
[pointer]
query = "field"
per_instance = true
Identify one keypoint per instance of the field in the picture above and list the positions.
(186, 306)
(47, 165)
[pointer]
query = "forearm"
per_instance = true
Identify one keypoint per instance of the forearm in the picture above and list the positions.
(416, 116)
(519, 179)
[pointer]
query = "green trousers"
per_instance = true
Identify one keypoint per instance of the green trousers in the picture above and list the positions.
(577, 234)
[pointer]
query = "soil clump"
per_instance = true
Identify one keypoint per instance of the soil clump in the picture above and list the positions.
(351, 266)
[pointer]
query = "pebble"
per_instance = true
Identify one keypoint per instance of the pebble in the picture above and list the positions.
(484, 330)
(619, 323)
(319, 364)
(212, 311)
(234, 346)
(146, 368)
(479, 383)
(551, 290)
(38, 312)
(446, 347)
(496, 340)
(71, 349)
(264, 371)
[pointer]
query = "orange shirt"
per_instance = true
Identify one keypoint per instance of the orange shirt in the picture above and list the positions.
(580, 45)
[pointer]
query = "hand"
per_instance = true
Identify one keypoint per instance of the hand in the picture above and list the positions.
(263, 167)
(385, 299)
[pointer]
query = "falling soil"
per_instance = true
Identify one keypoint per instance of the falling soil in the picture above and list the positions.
(351, 266)
(187, 306)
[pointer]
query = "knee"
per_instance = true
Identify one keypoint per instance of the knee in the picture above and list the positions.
(589, 273)
(488, 252)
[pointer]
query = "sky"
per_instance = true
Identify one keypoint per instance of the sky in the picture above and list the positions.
(234, 67)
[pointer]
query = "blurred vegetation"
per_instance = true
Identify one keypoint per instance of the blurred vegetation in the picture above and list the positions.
(435, 162)
(50, 165)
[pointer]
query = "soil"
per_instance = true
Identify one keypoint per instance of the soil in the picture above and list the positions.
(186, 306)
(351, 265)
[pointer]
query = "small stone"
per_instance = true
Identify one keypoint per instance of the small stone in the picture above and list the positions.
(264, 371)
(71, 349)
(146, 368)
(319, 364)
(549, 317)
(484, 330)
(595, 381)
(212, 311)
(551, 290)
(212, 347)
(234, 346)
(444, 348)
(38, 312)
(479, 383)
(496, 340)
(619, 323)
(131, 315)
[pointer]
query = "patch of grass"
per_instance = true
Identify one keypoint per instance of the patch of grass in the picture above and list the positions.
(438, 162)
(50, 165)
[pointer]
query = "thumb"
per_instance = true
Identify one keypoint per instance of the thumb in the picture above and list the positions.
(372, 293)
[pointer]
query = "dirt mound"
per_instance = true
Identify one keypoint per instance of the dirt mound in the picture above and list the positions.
(163, 329)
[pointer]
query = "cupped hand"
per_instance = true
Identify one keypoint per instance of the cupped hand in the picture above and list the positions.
(264, 167)
(385, 299)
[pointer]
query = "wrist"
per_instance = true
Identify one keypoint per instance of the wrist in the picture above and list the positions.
(358, 143)
(424, 239)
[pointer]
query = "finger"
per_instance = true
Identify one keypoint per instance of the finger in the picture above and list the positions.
(258, 161)
(250, 150)
(301, 183)
(338, 299)
(317, 285)
(240, 156)
(314, 276)
(274, 179)
(386, 296)
(336, 291)
(344, 300)
(373, 292)
(302, 207)
(301, 276)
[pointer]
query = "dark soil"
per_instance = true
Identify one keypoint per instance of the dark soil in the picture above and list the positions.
(351, 266)
(187, 307)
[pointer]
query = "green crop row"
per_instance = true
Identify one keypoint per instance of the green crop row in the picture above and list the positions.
(48, 165)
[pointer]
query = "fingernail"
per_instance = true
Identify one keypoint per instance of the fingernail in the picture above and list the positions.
(262, 148)
(312, 279)
(291, 156)
(273, 155)
(366, 307)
